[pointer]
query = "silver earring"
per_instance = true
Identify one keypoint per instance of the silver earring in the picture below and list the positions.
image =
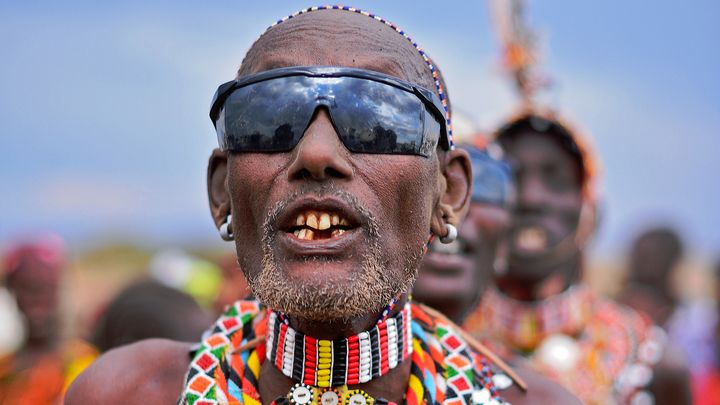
(225, 232)
(451, 235)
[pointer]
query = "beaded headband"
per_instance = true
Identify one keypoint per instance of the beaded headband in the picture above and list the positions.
(423, 54)
(331, 363)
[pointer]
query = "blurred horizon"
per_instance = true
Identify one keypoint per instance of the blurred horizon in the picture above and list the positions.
(104, 128)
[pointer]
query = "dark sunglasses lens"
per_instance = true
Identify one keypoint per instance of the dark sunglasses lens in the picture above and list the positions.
(492, 179)
(377, 118)
(269, 116)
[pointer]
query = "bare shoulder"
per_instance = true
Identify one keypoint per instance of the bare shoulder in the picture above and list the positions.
(150, 371)
(540, 390)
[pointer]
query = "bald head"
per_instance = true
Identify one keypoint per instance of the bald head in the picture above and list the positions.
(338, 38)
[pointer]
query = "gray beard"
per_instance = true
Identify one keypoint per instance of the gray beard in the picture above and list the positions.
(366, 291)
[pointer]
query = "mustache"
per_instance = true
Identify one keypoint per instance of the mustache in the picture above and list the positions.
(367, 220)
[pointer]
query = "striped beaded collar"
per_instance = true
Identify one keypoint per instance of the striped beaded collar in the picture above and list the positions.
(330, 363)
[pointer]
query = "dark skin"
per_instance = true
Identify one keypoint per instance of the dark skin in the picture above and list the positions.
(549, 184)
(428, 191)
(453, 281)
(36, 286)
(549, 203)
(653, 258)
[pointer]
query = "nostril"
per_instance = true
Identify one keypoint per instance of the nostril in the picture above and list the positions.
(329, 172)
(333, 172)
(302, 174)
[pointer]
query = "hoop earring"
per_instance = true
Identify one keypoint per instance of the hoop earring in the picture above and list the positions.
(452, 234)
(225, 233)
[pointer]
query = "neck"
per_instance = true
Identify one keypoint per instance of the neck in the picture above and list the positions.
(273, 383)
(341, 328)
(559, 277)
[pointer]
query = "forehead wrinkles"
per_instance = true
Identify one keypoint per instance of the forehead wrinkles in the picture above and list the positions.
(329, 36)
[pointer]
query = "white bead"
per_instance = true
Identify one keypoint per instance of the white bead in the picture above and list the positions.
(501, 381)
(329, 398)
(560, 352)
(357, 399)
(642, 398)
(481, 396)
(301, 395)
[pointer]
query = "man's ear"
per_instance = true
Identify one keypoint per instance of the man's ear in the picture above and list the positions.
(455, 198)
(217, 191)
(588, 222)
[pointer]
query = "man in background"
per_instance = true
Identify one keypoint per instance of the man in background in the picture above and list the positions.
(654, 258)
(453, 276)
(40, 371)
(540, 311)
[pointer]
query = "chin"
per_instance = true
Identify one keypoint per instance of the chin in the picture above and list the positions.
(327, 290)
(321, 271)
(531, 267)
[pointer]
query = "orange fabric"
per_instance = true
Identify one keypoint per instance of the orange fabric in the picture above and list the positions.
(46, 381)
(39, 385)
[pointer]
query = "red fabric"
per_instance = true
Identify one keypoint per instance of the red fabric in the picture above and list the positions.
(706, 388)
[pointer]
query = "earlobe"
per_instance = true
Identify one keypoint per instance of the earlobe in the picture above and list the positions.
(218, 195)
(455, 198)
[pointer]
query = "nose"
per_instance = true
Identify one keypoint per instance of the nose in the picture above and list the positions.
(320, 155)
(531, 192)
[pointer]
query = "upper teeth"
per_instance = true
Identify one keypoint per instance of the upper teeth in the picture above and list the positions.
(532, 239)
(320, 220)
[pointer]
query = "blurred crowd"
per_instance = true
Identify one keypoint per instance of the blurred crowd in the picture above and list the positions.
(175, 297)
(177, 294)
(517, 276)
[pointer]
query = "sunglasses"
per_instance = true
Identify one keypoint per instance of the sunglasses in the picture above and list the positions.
(492, 178)
(370, 111)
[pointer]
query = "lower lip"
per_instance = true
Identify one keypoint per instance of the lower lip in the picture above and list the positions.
(319, 247)
(445, 265)
(450, 285)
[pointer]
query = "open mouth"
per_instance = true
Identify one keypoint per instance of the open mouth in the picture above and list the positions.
(532, 239)
(319, 225)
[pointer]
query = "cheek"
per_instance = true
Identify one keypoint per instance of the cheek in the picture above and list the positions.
(566, 212)
(402, 185)
(569, 207)
(251, 182)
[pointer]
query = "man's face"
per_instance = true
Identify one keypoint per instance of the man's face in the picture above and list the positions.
(378, 206)
(453, 277)
(548, 205)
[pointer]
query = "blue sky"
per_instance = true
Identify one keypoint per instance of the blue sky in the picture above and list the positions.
(103, 107)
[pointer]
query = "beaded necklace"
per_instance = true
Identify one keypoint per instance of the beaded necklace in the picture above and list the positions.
(525, 324)
(330, 363)
(604, 353)
(444, 370)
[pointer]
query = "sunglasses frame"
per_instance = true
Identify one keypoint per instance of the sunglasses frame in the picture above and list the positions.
(429, 98)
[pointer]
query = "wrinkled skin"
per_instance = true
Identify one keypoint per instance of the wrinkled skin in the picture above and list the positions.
(452, 279)
(409, 196)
